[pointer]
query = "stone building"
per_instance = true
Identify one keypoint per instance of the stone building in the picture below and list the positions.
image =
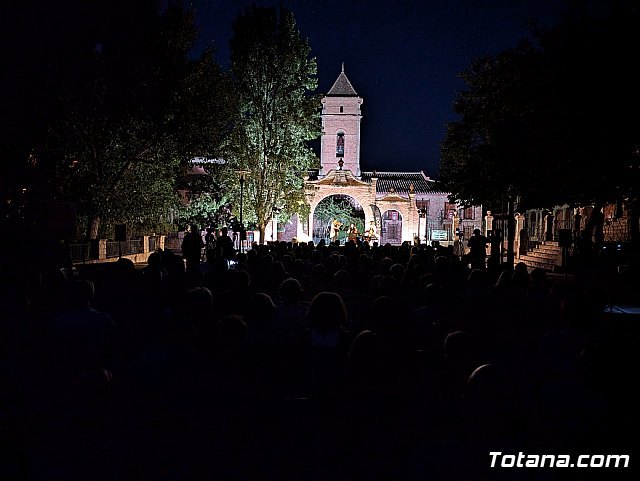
(403, 205)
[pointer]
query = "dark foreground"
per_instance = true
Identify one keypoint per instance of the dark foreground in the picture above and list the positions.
(304, 363)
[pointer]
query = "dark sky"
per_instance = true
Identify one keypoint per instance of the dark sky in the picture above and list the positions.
(402, 56)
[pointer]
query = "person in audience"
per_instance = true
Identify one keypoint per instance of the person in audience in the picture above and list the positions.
(192, 247)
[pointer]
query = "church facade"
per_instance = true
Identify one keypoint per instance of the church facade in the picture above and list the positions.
(403, 206)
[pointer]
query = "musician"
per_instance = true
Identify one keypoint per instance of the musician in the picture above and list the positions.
(371, 233)
(335, 229)
(353, 233)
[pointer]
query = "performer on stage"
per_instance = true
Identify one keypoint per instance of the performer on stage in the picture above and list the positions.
(335, 229)
(353, 233)
(371, 234)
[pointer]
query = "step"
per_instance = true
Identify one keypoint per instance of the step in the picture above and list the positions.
(536, 262)
(547, 252)
(537, 265)
(539, 259)
(533, 257)
(549, 249)
(542, 257)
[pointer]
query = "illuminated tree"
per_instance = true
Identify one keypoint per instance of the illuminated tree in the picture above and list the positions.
(134, 117)
(275, 79)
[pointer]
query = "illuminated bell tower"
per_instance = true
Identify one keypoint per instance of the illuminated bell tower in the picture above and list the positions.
(341, 117)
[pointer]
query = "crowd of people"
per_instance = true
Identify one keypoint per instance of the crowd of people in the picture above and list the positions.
(306, 362)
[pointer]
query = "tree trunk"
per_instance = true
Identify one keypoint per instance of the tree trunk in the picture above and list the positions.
(93, 226)
(261, 228)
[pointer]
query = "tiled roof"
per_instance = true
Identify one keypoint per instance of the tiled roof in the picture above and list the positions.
(400, 182)
(342, 87)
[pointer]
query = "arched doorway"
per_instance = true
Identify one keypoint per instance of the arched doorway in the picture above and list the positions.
(391, 228)
(343, 208)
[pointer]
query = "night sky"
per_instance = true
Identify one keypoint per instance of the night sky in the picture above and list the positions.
(402, 56)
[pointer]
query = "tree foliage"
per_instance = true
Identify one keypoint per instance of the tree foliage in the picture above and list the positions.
(552, 123)
(205, 209)
(126, 108)
(204, 198)
(275, 79)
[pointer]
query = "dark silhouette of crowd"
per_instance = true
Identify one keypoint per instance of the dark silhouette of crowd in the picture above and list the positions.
(303, 362)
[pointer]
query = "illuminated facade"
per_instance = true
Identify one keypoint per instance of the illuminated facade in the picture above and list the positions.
(403, 205)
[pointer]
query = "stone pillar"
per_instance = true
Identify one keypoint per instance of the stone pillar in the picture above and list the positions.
(269, 231)
(102, 249)
(145, 244)
(548, 227)
(301, 236)
(310, 224)
(161, 241)
(520, 245)
(488, 223)
(411, 214)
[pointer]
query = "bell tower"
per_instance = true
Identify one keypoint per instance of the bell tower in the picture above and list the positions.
(341, 115)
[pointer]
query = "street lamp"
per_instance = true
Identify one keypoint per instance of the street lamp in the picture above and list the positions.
(242, 174)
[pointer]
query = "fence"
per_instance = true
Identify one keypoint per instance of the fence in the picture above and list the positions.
(616, 230)
(125, 248)
(561, 224)
(154, 243)
(535, 232)
(80, 252)
(174, 241)
(101, 250)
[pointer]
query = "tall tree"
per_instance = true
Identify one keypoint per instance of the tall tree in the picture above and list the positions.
(554, 123)
(126, 108)
(276, 80)
(486, 150)
(134, 123)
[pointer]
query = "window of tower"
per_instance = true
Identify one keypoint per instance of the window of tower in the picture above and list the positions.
(341, 109)
(340, 144)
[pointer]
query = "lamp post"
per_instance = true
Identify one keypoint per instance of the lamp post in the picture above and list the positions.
(242, 174)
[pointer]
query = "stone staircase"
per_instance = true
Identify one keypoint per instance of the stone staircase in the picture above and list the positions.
(547, 255)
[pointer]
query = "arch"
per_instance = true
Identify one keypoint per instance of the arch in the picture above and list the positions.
(391, 231)
(316, 191)
(341, 207)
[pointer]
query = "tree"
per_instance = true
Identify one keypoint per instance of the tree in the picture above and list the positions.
(491, 151)
(275, 79)
(204, 200)
(128, 111)
(554, 123)
(205, 209)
